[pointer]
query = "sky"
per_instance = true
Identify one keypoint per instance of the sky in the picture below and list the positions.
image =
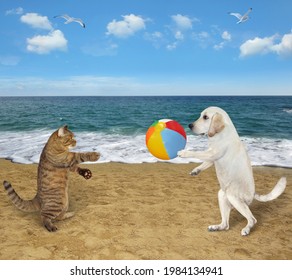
(145, 47)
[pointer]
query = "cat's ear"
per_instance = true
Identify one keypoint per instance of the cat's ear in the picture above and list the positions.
(62, 131)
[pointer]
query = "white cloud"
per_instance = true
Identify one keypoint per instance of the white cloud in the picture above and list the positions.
(88, 85)
(157, 35)
(153, 36)
(183, 22)
(36, 21)
(226, 36)
(257, 46)
(172, 46)
(203, 38)
(44, 44)
(219, 46)
(179, 35)
(156, 38)
(113, 86)
(126, 27)
(284, 48)
(267, 45)
(180, 27)
(17, 11)
(203, 35)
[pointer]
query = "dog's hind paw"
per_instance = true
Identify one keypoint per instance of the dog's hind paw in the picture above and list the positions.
(245, 231)
(218, 227)
(213, 228)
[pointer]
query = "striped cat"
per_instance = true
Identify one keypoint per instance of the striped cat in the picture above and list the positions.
(55, 163)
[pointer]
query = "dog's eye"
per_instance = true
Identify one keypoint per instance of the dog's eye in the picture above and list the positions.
(205, 117)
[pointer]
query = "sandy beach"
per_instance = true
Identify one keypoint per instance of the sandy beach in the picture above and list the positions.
(145, 211)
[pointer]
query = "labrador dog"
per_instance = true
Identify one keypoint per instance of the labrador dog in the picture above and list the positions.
(232, 165)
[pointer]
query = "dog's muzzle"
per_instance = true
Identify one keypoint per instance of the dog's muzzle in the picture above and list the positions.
(191, 126)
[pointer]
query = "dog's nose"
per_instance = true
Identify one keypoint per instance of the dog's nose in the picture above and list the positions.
(191, 126)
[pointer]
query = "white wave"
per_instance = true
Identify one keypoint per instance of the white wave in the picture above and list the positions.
(289, 111)
(25, 147)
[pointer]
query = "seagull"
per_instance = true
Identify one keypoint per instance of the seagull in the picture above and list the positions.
(71, 19)
(241, 18)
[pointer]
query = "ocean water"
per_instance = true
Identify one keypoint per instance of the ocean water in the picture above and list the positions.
(116, 126)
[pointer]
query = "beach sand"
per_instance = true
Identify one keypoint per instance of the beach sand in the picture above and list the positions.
(145, 211)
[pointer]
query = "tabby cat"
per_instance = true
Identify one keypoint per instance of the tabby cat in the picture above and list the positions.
(55, 163)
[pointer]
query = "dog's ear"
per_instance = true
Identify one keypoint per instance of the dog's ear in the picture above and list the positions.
(217, 125)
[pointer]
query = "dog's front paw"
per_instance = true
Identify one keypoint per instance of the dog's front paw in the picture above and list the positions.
(195, 172)
(183, 153)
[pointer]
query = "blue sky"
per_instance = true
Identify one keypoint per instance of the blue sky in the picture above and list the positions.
(145, 47)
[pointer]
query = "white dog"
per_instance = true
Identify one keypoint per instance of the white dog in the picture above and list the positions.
(232, 164)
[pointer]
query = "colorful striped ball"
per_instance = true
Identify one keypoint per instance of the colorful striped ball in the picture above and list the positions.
(165, 138)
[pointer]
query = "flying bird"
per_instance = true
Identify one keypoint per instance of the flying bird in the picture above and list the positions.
(241, 18)
(71, 19)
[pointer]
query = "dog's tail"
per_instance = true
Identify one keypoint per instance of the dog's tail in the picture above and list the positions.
(276, 191)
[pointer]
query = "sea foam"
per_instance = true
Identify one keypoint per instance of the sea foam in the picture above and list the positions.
(25, 147)
(289, 111)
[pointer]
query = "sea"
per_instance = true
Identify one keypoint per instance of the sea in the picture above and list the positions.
(116, 126)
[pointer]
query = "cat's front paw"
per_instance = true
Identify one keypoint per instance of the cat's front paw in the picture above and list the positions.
(86, 173)
(94, 156)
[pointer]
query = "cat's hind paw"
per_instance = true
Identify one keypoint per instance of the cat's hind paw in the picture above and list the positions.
(86, 173)
(49, 225)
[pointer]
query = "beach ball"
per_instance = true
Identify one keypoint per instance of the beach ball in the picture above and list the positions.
(164, 138)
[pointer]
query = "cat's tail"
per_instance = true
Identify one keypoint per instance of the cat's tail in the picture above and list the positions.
(276, 191)
(24, 205)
